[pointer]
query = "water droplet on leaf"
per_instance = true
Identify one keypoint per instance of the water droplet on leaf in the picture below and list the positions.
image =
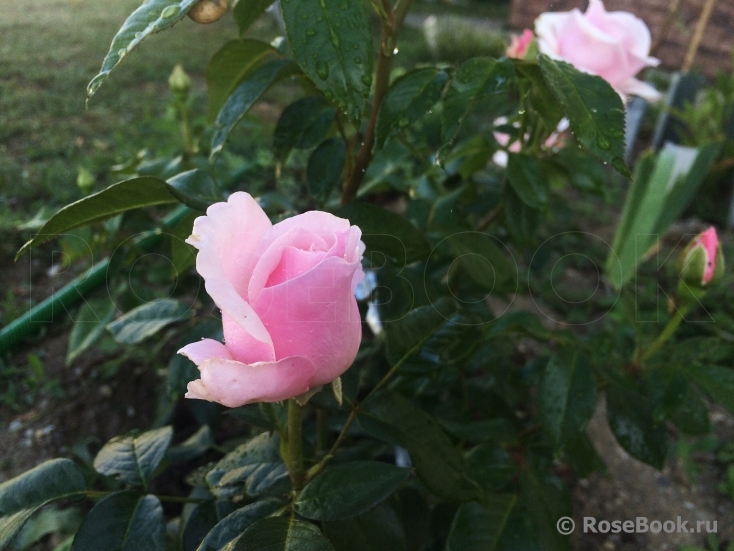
(169, 11)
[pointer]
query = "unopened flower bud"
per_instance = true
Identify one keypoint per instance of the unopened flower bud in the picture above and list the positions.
(179, 82)
(208, 11)
(702, 263)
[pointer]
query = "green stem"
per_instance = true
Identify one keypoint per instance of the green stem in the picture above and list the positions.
(388, 39)
(295, 444)
(666, 333)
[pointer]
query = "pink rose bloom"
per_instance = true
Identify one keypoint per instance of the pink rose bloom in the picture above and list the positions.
(519, 45)
(286, 293)
(612, 45)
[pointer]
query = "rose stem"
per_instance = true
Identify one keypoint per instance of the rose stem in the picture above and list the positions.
(295, 444)
(390, 27)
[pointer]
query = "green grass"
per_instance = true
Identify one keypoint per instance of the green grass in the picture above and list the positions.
(50, 49)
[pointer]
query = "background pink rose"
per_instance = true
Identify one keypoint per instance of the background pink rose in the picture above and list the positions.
(612, 45)
(519, 44)
(286, 293)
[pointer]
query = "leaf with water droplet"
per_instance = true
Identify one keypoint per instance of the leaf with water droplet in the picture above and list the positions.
(333, 47)
(152, 16)
(408, 99)
(593, 108)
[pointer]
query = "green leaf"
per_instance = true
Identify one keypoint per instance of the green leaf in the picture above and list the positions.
(593, 108)
(256, 464)
(540, 96)
(146, 320)
(490, 465)
(349, 490)
(246, 12)
(280, 534)
(194, 446)
(478, 527)
(51, 520)
(22, 496)
(133, 458)
(331, 41)
(378, 530)
(196, 189)
(131, 194)
(408, 99)
(89, 325)
(666, 387)
(386, 235)
(406, 335)
(394, 419)
(183, 255)
(234, 61)
(631, 420)
(528, 179)
(692, 414)
(484, 261)
(123, 521)
(302, 125)
(476, 79)
(566, 395)
(153, 16)
(645, 201)
(717, 381)
(325, 168)
(583, 457)
(235, 523)
(547, 500)
(245, 96)
(202, 519)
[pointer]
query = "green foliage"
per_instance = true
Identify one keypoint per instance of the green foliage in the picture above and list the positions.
(332, 43)
(123, 520)
(146, 320)
(23, 496)
(594, 109)
(349, 490)
(462, 403)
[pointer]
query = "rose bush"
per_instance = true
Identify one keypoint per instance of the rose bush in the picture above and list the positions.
(612, 45)
(286, 293)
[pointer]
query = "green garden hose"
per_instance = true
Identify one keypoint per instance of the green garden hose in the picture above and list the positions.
(59, 302)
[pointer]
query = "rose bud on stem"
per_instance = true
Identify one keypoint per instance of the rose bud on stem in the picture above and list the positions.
(700, 265)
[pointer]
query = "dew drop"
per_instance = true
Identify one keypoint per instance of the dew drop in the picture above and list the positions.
(334, 38)
(322, 69)
(310, 33)
(367, 79)
(169, 12)
(122, 53)
(603, 142)
(358, 60)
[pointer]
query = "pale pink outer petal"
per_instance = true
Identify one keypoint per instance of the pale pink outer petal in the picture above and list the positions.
(315, 316)
(234, 384)
(634, 87)
(590, 49)
(205, 349)
(227, 239)
(629, 29)
(548, 28)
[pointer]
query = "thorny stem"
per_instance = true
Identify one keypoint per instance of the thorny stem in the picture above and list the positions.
(390, 27)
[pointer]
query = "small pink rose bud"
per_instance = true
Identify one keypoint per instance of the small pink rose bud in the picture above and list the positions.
(519, 45)
(702, 263)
